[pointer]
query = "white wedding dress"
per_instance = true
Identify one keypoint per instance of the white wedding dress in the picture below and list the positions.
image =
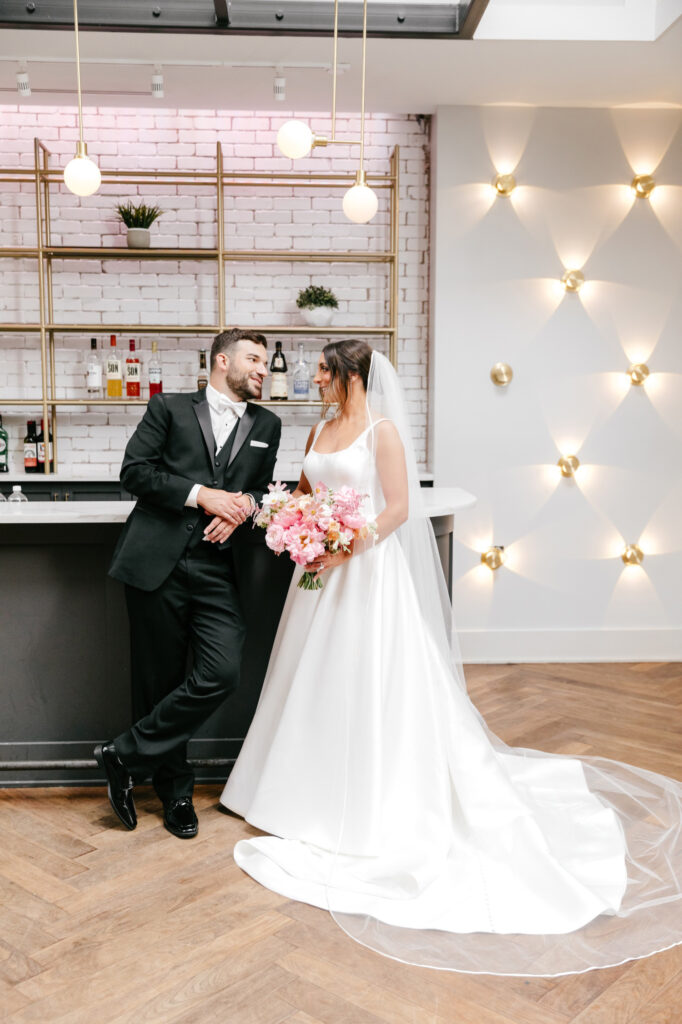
(388, 801)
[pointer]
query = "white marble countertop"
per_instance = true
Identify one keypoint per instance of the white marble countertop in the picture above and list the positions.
(63, 476)
(439, 501)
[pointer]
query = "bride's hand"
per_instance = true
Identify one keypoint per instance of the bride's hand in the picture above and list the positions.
(328, 561)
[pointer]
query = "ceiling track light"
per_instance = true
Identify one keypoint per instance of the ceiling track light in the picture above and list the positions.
(157, 84)
(279, 86)
(23, 83)
(81, 175)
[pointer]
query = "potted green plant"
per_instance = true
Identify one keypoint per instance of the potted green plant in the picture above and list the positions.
(317, 305)
(138, 220)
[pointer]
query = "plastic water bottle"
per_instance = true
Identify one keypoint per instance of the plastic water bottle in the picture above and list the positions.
(16, 498)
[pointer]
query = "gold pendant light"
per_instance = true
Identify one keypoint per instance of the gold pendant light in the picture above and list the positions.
(81, 175)
(296, 139)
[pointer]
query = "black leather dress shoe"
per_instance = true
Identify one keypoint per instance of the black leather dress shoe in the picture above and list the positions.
(120, 784)
(180, 818)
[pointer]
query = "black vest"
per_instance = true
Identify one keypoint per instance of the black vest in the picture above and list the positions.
(197, 545)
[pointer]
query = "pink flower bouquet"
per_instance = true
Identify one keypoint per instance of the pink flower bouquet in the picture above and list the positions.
(313, 524)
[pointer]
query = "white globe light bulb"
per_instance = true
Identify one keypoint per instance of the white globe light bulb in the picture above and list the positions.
(295, 139)
(81, 176)
(360, 204)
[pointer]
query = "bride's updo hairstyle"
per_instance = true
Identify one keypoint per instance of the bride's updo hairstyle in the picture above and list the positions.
(344, 358)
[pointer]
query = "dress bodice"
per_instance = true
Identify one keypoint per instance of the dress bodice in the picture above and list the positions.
(353, 466)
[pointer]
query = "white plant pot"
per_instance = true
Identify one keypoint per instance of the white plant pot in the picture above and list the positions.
(319, 316)
(139, 238)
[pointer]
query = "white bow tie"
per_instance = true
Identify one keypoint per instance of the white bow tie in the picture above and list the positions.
(221, 404)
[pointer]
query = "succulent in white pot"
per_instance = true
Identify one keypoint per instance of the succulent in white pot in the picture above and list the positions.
(317, 305)
(138, 219)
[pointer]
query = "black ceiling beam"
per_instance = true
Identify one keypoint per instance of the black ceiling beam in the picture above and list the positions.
(240, 17)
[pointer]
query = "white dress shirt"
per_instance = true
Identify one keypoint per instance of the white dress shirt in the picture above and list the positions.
(224, 415)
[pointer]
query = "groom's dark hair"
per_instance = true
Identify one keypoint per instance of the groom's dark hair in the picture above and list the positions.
(226, 341)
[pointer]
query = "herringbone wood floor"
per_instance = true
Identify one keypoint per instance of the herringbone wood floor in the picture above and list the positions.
(100, 924)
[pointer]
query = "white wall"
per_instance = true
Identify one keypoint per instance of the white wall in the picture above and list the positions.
(166, 292)
(564, 593)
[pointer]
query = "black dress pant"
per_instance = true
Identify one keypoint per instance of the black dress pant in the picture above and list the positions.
(196, 609)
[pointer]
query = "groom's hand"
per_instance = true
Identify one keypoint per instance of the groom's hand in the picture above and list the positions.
(218, 530)
(228, 505)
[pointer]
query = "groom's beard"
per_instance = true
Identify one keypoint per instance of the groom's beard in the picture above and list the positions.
(244, 385)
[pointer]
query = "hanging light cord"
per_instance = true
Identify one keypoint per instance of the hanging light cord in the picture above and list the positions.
(336, 44)
(362, 108)
(78, 70)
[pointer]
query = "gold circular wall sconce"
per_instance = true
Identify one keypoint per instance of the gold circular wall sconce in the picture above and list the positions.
(638, 373)
(573, 280)
(504, 184)
(643, 185)
(568, 464)
(493, 557)
(632, 554)
(501, 374)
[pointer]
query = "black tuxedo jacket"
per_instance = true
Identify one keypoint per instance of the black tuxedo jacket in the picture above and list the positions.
(172, 449)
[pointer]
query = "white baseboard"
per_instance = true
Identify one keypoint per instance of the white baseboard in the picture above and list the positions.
(513, 646)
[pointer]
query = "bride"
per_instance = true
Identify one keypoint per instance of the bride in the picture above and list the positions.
(386, 798)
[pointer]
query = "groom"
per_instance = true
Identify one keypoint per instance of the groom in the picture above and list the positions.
(198, 465)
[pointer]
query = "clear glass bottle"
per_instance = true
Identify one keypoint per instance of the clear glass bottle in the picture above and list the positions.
(93, 371)
(301, 376)
(279, 388)
(17, 497)
(155, 371)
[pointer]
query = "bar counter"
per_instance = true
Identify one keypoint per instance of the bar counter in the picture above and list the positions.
(65, 679)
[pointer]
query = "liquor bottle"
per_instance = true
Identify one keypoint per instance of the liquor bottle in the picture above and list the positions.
(30, 448)
(114, 375)
(202, 376)
(93, 371)
(155, 371)
(132, 373)
(4, 453)
(278, 368)
(40, 447)
(301, 376)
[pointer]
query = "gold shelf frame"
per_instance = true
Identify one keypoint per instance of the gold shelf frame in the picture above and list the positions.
(42, 176)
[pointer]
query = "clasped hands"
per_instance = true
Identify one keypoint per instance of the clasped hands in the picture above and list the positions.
(229, 509)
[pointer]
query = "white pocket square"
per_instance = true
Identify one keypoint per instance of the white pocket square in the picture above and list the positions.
(258, 444)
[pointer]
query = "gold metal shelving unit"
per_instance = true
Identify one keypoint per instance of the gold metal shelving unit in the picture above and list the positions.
(42, 176)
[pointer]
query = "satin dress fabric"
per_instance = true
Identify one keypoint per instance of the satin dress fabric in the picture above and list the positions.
(376, 779)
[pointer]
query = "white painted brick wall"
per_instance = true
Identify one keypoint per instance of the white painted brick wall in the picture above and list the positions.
(147, 292)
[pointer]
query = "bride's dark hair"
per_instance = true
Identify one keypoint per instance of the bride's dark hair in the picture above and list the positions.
(344, 358)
